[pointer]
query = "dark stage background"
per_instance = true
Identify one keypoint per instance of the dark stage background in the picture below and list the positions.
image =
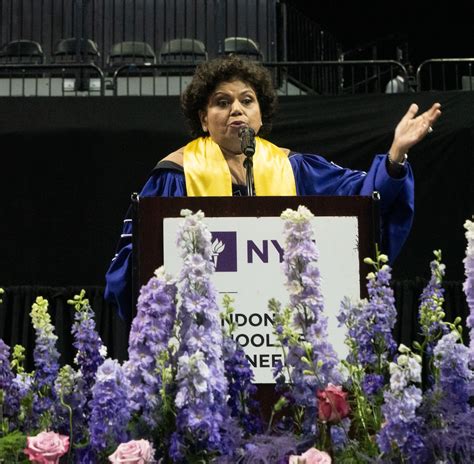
(69, 166)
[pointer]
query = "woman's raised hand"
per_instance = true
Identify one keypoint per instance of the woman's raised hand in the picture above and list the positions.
(411, 129)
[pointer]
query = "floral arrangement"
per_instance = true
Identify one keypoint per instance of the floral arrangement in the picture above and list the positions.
(185, 395)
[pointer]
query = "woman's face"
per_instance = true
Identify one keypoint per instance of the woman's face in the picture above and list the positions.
(232, 105)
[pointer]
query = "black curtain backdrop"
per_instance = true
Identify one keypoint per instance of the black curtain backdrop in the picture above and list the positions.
(69, 165)
(15, 325)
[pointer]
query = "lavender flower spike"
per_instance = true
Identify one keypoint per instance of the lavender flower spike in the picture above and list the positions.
(469, 284)
(46, 359)
(90, 349)
(314, 361)
(401, 435)
(150, 334)
(451, 360)
(9, 395)
(373, 328)
(431, 312)
(203, 419)
(109, 408)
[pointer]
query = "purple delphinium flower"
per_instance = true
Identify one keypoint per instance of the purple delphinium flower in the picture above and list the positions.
(89, 356)
(446, 405)
(367, 361)
(110, 413)
(369, 325)
(372, 384)
(269, 449)
(24, 385)
(87, 342)
(241, 394)
(46, 361)
(150, 334)
(9, 393)
(452, 437)
(401, 434)
(469, 285)
(452, 361)
(340, 434)
(23, 390)
(373, 330)
(313, 360)
(239, 374)
(71, 405)
(202, 412)
(431, 306)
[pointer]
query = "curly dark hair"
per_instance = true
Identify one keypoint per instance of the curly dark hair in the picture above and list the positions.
(211, 73)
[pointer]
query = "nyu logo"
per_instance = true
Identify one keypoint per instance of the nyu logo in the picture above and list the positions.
(224, 251)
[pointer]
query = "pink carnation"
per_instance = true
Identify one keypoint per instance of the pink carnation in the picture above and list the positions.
(46, 447)
(133, 452)
(312, 456)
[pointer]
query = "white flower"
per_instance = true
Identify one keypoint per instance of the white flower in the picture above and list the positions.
(181, 398)
(302, 214)
(110, 370)
(393, 367)
(403, 348)
(414, 369)
(294, 287)
(398, 378)
(103, 351)
(469, 226)
(161, 274)
(173, 344)
(402, 360)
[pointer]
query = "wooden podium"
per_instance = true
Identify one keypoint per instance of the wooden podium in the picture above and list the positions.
(153, 213)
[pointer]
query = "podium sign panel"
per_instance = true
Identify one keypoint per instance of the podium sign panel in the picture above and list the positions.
(248, 253)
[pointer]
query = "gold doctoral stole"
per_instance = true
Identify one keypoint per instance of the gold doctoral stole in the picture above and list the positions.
(207, 173)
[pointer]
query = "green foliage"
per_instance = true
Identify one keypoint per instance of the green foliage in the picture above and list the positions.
(283, 317)
(11, 448)
(18, 358)
(40, 317)
(226, 315)
(81, 304)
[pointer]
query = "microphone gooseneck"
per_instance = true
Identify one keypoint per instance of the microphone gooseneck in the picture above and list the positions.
(247, 145)
(247, 140)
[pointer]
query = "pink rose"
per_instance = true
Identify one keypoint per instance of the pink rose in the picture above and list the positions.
(46, 447)
(312, 456)
(133, 452)
(333, 405)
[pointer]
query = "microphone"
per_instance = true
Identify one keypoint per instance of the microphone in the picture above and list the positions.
(247, 140)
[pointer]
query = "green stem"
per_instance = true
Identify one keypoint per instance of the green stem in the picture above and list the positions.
(269, 428)
(69, 409)
(326, 441)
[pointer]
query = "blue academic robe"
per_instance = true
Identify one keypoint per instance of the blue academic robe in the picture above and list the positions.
(314, 175)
